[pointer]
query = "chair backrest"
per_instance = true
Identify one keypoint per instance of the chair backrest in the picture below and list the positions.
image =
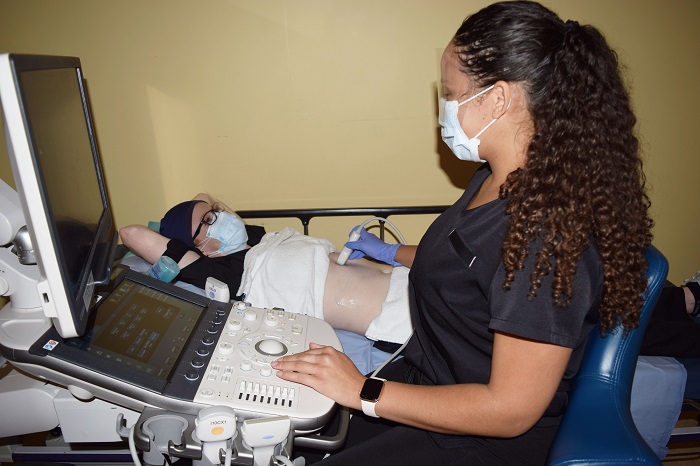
(597, 427)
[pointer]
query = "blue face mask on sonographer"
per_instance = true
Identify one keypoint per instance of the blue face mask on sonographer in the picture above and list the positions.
(464, 147)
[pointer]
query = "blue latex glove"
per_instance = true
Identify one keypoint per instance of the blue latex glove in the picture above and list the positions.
(370, 245)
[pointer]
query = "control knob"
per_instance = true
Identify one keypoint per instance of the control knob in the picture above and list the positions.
(271, 320)
(234, 324)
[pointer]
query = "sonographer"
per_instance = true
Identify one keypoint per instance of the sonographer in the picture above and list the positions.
(506, 285)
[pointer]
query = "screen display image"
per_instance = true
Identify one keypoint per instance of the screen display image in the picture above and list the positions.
(141, 328)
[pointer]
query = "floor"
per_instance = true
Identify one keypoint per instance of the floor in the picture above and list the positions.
(683, 457)
(685, 453)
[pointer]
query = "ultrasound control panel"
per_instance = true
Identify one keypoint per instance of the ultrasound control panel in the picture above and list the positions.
(239, 373)
(192, 352)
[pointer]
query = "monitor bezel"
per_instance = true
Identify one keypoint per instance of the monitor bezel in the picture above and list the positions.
(68, 309)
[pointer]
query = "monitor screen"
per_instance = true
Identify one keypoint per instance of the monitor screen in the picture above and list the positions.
(141, 328)
(57, 171)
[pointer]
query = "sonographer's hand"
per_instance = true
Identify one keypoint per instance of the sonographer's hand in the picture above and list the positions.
(370, 245)
(326, 370)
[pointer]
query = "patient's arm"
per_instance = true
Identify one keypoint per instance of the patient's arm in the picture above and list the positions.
(150, 245)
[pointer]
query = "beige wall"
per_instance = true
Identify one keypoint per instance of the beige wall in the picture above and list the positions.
(328, 103)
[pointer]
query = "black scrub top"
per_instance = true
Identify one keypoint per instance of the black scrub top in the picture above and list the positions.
(458, 300)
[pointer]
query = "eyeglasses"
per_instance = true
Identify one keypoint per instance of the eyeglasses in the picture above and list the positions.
(208, 218)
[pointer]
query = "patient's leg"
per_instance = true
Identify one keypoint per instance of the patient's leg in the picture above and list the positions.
(354, 293)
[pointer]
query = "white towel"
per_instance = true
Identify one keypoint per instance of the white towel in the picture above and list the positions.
(279, 270)
(394, 322)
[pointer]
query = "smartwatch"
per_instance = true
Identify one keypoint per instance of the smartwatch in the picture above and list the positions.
(370, 393)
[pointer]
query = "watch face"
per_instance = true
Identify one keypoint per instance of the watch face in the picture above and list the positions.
(371, 389)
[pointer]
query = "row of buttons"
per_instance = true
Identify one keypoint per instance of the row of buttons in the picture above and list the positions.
(258, 393)
(266, 393)
(225, 376)
(199, 361)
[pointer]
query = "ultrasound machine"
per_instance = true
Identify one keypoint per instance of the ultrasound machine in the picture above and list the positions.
(107, 353)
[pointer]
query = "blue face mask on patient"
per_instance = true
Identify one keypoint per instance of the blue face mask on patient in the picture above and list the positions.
(230, 231)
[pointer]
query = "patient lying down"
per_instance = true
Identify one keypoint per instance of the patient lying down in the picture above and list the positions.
(280, 269)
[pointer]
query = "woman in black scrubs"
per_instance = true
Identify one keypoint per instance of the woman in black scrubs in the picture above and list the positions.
(506, 285)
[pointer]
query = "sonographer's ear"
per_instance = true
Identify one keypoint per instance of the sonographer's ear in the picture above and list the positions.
(501, 96)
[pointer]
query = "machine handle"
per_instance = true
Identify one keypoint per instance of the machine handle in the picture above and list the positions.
(325, 442)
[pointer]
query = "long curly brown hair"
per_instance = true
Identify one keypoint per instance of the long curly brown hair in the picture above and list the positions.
(583, 180)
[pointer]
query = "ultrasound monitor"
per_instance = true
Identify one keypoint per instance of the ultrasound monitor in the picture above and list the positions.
(57, 172)
(144, 343)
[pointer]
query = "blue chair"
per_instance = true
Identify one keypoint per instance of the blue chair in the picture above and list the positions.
(597, 427)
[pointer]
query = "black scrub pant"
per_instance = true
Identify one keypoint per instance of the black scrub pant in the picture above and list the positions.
(383, 443)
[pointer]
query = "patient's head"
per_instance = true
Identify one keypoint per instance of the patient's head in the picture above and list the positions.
(190, 222)
(178, 222)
